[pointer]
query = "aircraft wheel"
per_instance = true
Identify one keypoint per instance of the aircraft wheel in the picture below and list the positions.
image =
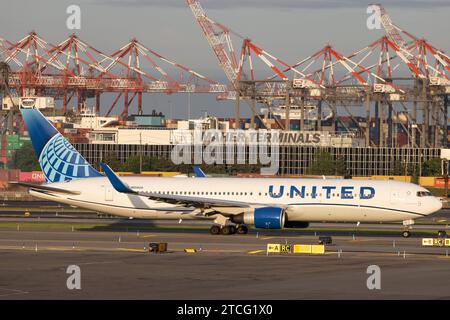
(406, 234)
(242, 230)
(227, 230)
(442, 234)
(214, 229)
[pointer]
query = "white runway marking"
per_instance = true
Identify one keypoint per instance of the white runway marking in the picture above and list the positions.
(12, 292)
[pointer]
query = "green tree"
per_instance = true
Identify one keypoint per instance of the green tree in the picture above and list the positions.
(415, 174)
(398, 168)
(111, 160)
(322, 164)
(25, 159)
(432, 167)
(341, 166)
(131, 165)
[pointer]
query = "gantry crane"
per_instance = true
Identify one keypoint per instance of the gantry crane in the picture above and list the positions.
(218, 37)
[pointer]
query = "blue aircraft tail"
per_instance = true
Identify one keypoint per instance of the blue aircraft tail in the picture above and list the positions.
(57, 157)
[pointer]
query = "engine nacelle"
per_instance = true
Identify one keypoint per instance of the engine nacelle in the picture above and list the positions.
(264, 218)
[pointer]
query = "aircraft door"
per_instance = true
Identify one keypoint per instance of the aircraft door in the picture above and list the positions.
(397, 196)
(108, 193)
(403, 196)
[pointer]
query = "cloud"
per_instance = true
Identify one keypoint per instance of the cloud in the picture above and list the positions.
(282, 4)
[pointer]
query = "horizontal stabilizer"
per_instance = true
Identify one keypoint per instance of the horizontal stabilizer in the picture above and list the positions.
(46, 188)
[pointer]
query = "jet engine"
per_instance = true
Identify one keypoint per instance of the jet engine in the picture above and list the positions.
(264, 218)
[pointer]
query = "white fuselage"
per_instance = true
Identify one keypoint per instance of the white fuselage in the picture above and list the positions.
(303, 199)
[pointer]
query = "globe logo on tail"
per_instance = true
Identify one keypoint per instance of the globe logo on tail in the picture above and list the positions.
(61, 162)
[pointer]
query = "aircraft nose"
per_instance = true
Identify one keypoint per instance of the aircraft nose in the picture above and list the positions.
(437, 204)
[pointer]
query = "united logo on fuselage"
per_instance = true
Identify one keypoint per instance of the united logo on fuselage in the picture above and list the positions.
(344, 192)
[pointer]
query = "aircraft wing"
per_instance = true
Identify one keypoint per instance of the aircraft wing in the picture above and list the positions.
(122, 187)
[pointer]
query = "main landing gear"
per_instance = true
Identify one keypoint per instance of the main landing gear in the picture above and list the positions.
(228, 229)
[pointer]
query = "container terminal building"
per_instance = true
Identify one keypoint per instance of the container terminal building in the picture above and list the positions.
(152, 135)
(294, 158)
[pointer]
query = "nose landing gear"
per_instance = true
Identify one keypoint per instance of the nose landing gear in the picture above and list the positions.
(442, 234)
(406, 234)
(408, 225)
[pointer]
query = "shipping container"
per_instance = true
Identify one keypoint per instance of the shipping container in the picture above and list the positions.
(14, 146)
(4, 175)
(13, 174)
(37, 177)
(439, 182)
(34, 177)
(12, 138)
(427, 181)
(25, 176)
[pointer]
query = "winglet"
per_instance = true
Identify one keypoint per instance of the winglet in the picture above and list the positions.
(117, 184)
(199, 172)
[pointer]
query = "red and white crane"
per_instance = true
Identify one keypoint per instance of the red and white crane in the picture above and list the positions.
(75, 68)
(416, 52)
(218, 37)
(395, 36)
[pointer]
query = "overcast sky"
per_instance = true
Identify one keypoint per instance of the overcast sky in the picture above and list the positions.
(290, 29)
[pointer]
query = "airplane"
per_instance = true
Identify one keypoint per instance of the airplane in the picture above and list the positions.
(232, 204)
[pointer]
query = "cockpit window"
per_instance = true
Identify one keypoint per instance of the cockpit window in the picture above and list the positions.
(424, 194)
